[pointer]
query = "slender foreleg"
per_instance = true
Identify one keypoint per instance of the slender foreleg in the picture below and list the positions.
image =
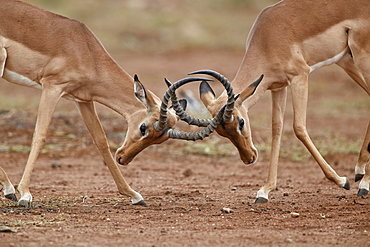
(278, 110)
(95, 128)
(8, 188)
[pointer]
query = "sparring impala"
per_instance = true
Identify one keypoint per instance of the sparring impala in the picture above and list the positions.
(288, 41)
(64, 59)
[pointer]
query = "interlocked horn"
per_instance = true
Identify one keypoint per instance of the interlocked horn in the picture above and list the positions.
(227, 116)
(209, 124)
(161, 124)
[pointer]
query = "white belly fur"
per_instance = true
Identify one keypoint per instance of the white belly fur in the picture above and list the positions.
(24, 81)
(20, 79)
(329, 61)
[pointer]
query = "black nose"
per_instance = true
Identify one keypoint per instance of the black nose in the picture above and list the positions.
(119, 160)
(253, 160)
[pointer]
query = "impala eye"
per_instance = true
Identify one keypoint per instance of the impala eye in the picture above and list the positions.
(241, 124)
(143, 129)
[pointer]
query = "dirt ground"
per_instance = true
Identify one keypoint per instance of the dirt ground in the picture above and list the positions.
(76, 202)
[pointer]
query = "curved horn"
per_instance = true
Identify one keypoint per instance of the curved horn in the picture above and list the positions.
(199, 135)
(209, 124)
(177, 107)
(160, 125)
(227, 116)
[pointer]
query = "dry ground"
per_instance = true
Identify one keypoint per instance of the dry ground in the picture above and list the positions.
(185, 184)
(76, 202)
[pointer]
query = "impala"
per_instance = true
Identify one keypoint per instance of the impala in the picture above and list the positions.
(8, 188)
(288, 41)
(64, 59)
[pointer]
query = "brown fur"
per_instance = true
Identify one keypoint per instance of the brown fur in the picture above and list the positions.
(65, 59)
(286, 42)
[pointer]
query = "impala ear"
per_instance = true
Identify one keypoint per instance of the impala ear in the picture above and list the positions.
(143, 96)
(207, 95)
(249, 91)
(183, 103)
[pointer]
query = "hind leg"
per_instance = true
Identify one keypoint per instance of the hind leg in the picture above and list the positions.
(363, 187)
(347, 63)
(364, 157)
(50, 96)
(8, 188)
(357, 66)
(362, 169)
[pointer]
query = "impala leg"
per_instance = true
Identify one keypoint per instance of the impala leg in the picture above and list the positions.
(363, 187)
(278, 110)
(299, 89)
(8, 188)
(347, 63)
(362, 168)
(363, 159)
(96, 130)
(357, 66)
(48, 101)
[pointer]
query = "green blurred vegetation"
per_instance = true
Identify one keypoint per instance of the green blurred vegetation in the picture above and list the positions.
(163, 25)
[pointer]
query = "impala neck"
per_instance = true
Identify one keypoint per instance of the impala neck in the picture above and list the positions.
(249, 72)
(116, 91)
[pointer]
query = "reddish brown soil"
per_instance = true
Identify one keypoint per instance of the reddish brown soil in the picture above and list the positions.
(76, 202)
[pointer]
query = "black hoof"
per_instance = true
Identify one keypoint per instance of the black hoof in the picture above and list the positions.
(140, 203)
(347, 185)
(261, 200)
(358, 177)
(12, 197)
(362, 192)
(24, 203)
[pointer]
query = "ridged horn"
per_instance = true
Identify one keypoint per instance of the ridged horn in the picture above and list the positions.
(178, 108)
(161, 124)
(199, 135)
(209, 124)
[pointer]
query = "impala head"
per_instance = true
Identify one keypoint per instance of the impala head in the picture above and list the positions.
(143, 129)
(235, 125)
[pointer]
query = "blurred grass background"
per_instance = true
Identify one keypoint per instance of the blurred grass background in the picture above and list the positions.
(163, 25)
(155, 31)
(158, 38)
